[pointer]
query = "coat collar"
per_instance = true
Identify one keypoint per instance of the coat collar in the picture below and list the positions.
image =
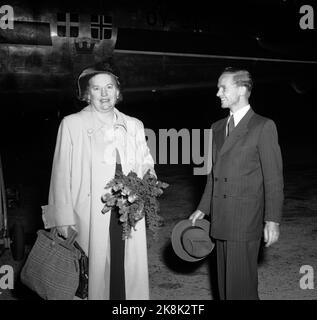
(240, 130)
(120, 119)
(96, 123)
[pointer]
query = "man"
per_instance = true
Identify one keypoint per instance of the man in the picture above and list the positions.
(244, 190)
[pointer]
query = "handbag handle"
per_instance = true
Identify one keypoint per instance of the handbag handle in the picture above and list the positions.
(69, 241)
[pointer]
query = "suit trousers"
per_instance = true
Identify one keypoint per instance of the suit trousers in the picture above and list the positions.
(237, 269)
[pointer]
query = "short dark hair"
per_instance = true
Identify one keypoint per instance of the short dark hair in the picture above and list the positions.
(241, 77)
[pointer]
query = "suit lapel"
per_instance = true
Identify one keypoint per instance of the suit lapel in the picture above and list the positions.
(239, 131)
(219, 134)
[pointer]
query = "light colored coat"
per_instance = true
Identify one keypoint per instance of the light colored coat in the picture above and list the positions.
(84, 161)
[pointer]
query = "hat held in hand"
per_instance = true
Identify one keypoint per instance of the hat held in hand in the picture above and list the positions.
(192, 243)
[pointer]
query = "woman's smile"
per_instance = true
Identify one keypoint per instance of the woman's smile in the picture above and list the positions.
(103, 92)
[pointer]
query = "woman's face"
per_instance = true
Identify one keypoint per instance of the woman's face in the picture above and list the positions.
(103, 92)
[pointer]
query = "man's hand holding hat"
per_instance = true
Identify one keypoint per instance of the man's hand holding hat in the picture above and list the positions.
(192, 242)
(196, 215)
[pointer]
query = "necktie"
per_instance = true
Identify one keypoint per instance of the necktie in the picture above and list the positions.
(230, 126)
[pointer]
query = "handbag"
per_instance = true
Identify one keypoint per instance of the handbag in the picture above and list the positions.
(82, 290)
(52, 266)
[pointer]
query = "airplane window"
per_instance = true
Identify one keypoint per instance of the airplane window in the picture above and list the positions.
(107, 20)
(95, 33)
(107, 33)
(74, 32)
(101, 27)
(67, 24)
(61, 31)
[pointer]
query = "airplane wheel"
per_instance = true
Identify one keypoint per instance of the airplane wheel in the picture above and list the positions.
(17, 241)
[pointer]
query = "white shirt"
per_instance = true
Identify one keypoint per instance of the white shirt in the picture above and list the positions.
(238, 115)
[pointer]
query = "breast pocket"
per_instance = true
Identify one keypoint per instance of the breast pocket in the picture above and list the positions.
(249, 154)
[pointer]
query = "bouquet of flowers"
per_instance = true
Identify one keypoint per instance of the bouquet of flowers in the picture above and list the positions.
(135, 198)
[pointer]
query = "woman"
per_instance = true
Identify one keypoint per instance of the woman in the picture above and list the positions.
(91, 145)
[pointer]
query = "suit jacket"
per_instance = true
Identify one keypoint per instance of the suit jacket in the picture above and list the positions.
(245, 186)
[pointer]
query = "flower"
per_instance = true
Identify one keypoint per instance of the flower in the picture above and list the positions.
(135, 198)
(132, 198)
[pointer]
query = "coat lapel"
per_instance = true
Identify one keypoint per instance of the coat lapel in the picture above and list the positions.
(239, 131)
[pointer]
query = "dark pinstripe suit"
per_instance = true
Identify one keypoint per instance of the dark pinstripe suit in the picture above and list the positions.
(244, 189)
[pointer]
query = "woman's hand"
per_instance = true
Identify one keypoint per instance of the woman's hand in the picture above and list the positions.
(63, 231)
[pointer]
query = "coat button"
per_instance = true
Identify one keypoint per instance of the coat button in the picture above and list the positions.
(216, 179)
(225, 196)
(225, 179)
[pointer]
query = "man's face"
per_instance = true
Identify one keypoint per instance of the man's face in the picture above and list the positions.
(228, 91)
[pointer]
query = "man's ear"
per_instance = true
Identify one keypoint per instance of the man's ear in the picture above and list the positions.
(242, 91)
